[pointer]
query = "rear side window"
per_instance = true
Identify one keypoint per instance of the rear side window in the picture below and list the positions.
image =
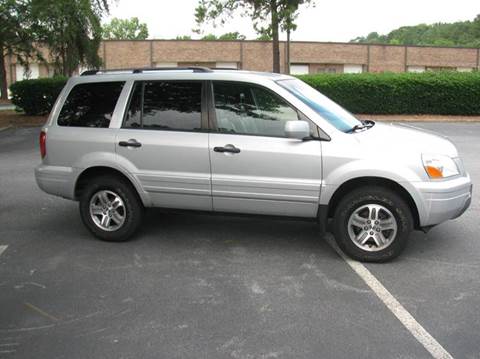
(165, 105)
(90, 104)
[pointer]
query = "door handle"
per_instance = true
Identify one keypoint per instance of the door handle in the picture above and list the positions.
(130, 143)
(227, 148)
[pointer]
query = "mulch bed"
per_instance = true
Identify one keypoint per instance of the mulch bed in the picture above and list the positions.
(419, 118)
(15, 119)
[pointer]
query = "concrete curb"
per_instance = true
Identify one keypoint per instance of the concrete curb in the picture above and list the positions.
(2, 129)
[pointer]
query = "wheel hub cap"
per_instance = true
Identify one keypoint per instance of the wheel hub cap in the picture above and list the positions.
(107, 210)
(372, 227)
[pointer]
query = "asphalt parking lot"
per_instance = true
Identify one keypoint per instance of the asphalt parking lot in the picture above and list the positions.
(200, 286)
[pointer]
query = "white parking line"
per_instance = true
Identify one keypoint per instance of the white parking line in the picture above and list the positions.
(2, 249)
(414, 327)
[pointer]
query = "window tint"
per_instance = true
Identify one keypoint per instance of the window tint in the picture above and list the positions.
(90, 104)
(248, 109)
(167, 105)
(329, 110)
(133, 117)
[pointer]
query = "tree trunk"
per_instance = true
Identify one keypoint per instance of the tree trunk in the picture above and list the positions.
(275, 40)
(287, 70)
(3, 75)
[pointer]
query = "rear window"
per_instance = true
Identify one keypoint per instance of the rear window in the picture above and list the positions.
(90, 104)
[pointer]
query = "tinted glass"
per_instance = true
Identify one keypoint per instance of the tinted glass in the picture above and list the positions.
(329, 110)
(90, 104)
(133, 117)
(247, 109)
(172, 105)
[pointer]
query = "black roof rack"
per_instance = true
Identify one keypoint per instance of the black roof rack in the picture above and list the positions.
(148, 69)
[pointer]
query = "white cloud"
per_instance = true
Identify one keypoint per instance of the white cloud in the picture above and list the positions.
(337, 20)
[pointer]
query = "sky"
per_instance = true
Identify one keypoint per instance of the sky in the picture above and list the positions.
(329, 20)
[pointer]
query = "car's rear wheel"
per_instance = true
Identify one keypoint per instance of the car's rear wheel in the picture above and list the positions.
(372, 224)
(110, 208)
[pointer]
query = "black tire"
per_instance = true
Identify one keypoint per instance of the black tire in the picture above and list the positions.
(133, 207)
(375, 195)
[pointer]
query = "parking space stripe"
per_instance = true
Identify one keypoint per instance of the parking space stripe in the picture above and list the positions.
(3, 249)
(415, 328)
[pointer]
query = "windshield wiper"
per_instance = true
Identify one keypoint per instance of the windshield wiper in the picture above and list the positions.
(365, 125)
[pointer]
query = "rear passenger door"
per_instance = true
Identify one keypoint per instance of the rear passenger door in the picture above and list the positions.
(255, 167)
(164, 141)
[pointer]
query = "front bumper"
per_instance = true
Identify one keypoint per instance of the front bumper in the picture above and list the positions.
(444, 200)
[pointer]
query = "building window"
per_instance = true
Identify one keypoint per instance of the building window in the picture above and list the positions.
(24, 73)
(416, 69)
(299, 69)
(326, 70)
(441, 68)
(166, 64)
(352, 69)
(226, 65)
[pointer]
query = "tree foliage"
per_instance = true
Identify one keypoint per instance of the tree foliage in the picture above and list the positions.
(269, 17)
(16, 35)
(125, 29)
(462, 33)
(71, 31)
(227, 36)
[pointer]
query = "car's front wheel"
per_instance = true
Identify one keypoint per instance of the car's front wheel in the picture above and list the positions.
(111, 209)
(372, 224)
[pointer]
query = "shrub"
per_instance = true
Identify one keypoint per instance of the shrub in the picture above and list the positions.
(37, 97)
(436, 93)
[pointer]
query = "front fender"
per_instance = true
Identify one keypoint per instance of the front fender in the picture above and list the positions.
(361, 168)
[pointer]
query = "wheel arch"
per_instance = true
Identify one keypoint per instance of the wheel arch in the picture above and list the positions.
(95, 171)
(354, 183)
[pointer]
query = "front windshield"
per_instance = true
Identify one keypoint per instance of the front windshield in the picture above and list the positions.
(329, 110)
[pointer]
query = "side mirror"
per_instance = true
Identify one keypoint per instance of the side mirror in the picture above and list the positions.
(297, 129)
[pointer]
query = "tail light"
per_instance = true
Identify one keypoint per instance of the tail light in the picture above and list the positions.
(43, 144)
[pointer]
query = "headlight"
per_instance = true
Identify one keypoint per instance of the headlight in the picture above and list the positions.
(439, 166)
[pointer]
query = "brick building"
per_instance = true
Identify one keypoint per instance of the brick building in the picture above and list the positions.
(305, 57)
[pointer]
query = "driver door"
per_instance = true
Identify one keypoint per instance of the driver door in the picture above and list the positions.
(255, 167)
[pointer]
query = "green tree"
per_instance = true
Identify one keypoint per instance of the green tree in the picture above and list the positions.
(16, 36)
(268, 17)
(71, 31)
(264, 37)
(232, 36)
(183, 37)
(461, 33)
(209, 37)
(125, 29)
(227, 36)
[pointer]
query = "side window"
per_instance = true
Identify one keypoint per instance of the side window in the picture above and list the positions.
(133, 117)
(90, 104)
(249, 109)
(167, 105)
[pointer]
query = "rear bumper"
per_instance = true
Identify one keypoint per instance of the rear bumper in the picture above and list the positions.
(56, 180)
(444, 200)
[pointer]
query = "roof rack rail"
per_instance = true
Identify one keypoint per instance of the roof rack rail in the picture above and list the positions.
(148, 69)
(226, 68)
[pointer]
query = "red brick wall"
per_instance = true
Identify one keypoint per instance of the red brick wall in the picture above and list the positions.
(387, 58)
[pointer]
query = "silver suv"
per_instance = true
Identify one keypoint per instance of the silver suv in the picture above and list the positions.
(245, 142)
